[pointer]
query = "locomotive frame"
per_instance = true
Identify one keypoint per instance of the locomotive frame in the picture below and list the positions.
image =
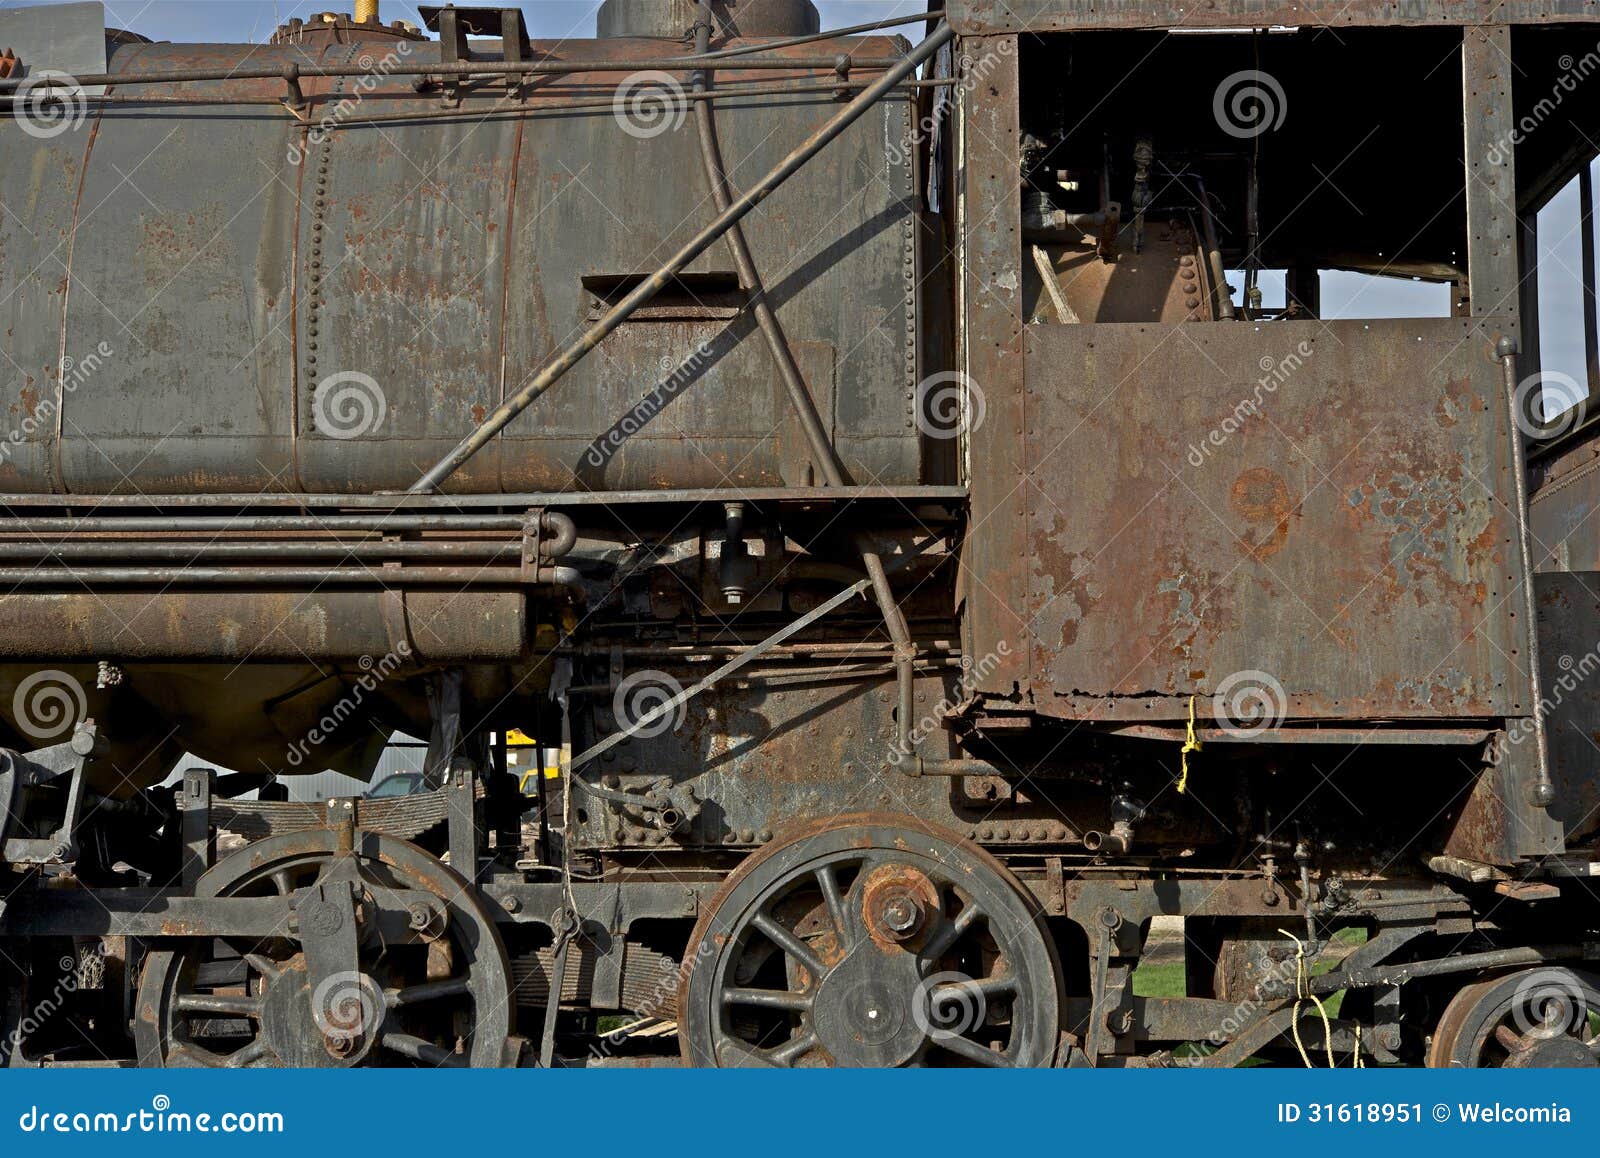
(916, 789)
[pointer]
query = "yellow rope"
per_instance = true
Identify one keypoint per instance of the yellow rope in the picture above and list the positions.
(1302, 995)
(1190, 744)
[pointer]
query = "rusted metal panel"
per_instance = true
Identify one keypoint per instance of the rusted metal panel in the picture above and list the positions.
(695, 394)
(252, 258)
(39, 182)
(988, 16)
(1569, 634)
(993, 584)
(400, 277)
(1492, 257)
(1315, 503)
(180, 265)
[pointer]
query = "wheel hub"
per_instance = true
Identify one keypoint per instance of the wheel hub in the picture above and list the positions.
(865, 1008)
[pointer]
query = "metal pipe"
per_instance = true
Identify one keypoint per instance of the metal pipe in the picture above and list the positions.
(1219, 275)
(1336, 980)
(828, 34)
(527, 500)
(794, 381)
(387, 577)
(1543, 792)
(523, 108)
(226, 626)
(193, 549)
(295, 71)
(1591, 325)
(70, 525)
(576, 350)
(743, 659)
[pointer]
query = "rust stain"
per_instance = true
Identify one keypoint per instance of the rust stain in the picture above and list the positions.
(1261, 497)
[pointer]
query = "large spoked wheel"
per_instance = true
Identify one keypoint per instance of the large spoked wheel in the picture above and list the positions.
(1541, 1018)
(440, 1001)
(870, 941)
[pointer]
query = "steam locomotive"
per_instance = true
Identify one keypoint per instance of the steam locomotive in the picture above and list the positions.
(882, 579)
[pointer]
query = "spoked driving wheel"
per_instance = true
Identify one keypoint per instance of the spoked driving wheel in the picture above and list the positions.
(386, 960)
(1537, 1019)
(870, 941)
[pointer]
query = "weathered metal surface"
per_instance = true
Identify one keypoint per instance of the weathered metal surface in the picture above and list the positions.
(988, 16)
(262, 626)
(1492, 257)
(989, 353)
(1569, 629)
(445, 261)
(1343, 538)
(763, 757)
(1155, 285)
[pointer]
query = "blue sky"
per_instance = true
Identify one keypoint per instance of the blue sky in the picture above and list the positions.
(1344, 295)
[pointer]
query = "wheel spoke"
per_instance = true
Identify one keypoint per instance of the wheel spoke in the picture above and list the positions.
(1509, 1039)
(248, 1054)
(283, 882)
(792, 1051)
(218, 1004)
(790, 944)
(736, 1053)
(768, 999)
(189, 1056)
(829, 884)
(998, 986)
(407, 1045)
(947, 936)
(429, 991)
(264, 965)
(970, 1050)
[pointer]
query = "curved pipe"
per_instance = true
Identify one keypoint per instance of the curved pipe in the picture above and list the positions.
(794, 382)
(565, 533)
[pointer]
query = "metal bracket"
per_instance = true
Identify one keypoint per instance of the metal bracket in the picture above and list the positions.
(199, 848)
(20, 772)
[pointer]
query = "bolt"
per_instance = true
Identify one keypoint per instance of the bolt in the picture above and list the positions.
(901, 914)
